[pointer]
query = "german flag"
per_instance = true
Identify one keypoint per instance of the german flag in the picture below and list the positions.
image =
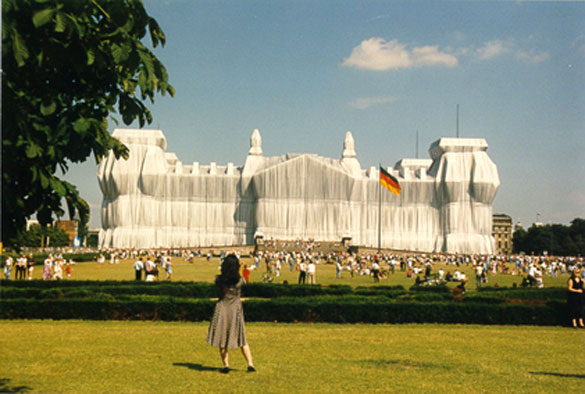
(389, 182)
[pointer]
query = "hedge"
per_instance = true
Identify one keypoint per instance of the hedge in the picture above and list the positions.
(194, 290)
(388, 291)
(108, 309)
(206, 290)
(38, 289)
(547, 293)
(271, 290)
(431, 289)
(334, 309)
(194, 301)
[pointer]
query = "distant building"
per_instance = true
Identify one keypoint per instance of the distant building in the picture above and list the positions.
(502, 232)
(70, 227)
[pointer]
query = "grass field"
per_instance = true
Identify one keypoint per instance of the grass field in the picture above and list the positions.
(148, 357)
(205, 271)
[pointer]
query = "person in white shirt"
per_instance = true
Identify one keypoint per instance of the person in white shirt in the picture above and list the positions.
(277, 267)
(169, 268)
(376, 272)
(532, 269)
(8, 267)
(138, 268)
(302, 272)
(538, 278)
(311, 269)
(150, 268)
(58, 269)
(30, 263)
(338, 269)
(21, 267)
(478, 274)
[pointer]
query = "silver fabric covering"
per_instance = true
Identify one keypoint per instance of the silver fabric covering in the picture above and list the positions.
(154, 200)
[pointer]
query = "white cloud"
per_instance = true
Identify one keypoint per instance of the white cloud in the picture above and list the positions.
(367, 102)
(379, 55)
(376, 54)
(430, 56)
(532, 56)
(493, 49)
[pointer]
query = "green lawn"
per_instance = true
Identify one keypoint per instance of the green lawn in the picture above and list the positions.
(203, 271)
(144, 357)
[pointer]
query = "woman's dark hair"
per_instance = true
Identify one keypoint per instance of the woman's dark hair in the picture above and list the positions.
(230, 272)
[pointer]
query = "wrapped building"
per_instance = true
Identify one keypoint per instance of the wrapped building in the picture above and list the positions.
(152, 200)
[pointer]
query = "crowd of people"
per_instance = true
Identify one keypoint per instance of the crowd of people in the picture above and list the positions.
(145, 266)
(23, 267)
(424, 268)
(54, 267)
(303, 258)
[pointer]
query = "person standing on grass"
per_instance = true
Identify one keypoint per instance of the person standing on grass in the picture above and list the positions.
(226, 329)
(68, 268)
(478, 275)
(277, 267)
(576, 298)
(376, 271)
(302, 272)
(428, 268)
(138, 268)
(8, 267)
(338, 268)
(246, 273)
(311, 270)
(21, 267)
(47, 267)
(169, 268)
(149, 270)
(30, 266)
(58, 269)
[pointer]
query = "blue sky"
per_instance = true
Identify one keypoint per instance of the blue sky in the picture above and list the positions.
(305, 72)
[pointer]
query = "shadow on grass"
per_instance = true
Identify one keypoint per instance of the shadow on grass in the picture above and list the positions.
(560, 375)
(402, 363)
(5, 387)
(196, 367)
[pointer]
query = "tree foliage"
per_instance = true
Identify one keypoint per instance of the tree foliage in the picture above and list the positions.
(555, 239)
(36, 236)
(92, 240)
(68, 65)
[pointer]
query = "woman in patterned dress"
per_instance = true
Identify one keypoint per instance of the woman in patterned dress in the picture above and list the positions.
(226, 329)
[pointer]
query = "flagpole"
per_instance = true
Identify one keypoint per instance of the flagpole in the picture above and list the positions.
(379, 208)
